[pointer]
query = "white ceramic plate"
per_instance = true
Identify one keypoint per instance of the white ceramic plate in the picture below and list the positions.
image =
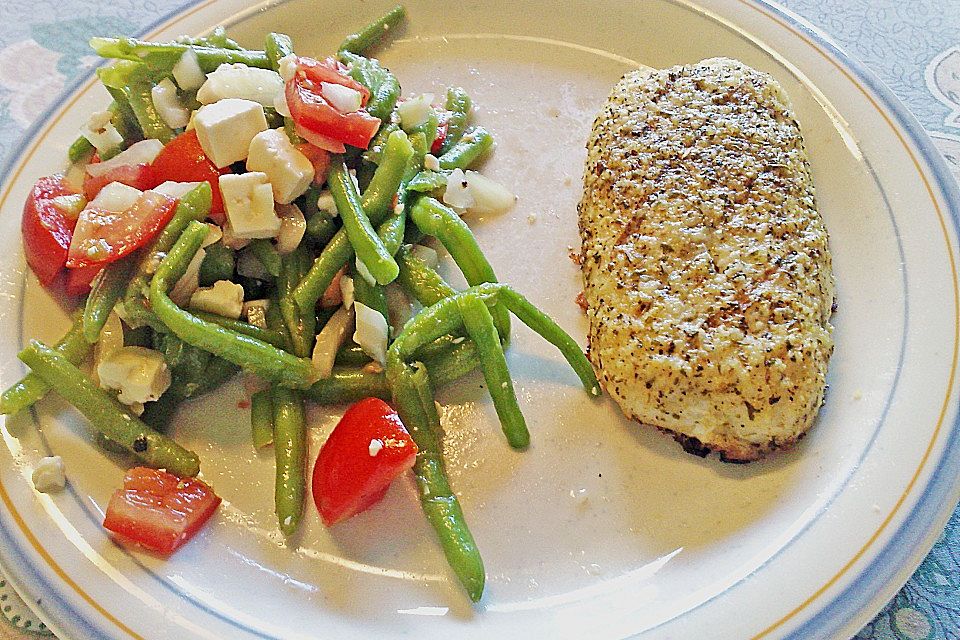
(602, 529)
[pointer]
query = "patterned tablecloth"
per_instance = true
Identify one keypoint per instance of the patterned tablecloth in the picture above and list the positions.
(914, 45)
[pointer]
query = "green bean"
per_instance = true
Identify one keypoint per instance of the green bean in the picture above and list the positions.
(261, 419)
(253, 355)
(105, 413)
(137, 337)
(419, 281)
(267, 254)
(451, 363)
(459, 105)
(300, 323)
(374, 151)
(164, 55)
(348, 384)
(426, 181)
(377, 200)
(550, 331)
(218, 264)
(139, 95)
(32, 387)
(321, 227)
(443, 318)
(435, 219)
(80, 150)
(479, 324)
(339, 250)
(270, 336)
(124, 119)
(429, 127)
(193, 206)
(290, 448)
(217, 38)
(371, 34)
(383, 85)
(216, 373)
(414, 400)
(105, 291)
(371, 295)
(367, 244)
(277, 47)
(469, 148)
(352, 354)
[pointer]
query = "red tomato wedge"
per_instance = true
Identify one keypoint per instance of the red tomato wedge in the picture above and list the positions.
(139, 176)
(316, 119)
(183, 160)
(104, 236)
(367, 450)
(46, 230)
(79, 280)
(158, 510)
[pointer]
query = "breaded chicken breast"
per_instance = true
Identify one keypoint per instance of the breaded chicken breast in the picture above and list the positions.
(707, 274)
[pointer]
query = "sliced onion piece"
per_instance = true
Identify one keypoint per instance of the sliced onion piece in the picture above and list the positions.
(331, 337)
(167, 103)
(143, 152)
(427, 254)
(189, 282)
(346, 291)
(372, 332)
(415, 111)
(115, 197)
(100, 132)
(187, 71)
(292, 227)
(489, 196)
(343, 99)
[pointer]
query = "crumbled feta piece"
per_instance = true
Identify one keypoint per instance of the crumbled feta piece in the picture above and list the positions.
(139, 374)
(225, 129)
(415, 111)
(288, 170)
(100, 132)
(167, 103)
(224, 298)
(431, 162)
(371, 333)
(375, 446)
(457, 193)
(49, 476)
(240, 81)
(187, 71)
(248, 199)
(343, 99)
(115, 197)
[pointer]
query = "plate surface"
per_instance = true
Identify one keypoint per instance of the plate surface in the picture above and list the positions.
(602, 529)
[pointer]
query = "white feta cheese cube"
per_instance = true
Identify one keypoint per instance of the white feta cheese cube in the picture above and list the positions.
(325, 202)
(288, 170)
(224, 298)
(139, 374)
(49, 476)
(240, 81)
(248, 199)
(225, 128)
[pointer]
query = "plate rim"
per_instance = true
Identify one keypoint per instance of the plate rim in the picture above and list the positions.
(892, 565)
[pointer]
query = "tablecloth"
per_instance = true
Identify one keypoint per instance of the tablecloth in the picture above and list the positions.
(914, 46)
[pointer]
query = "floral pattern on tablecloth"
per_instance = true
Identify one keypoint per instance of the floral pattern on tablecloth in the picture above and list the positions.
(913, 45)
